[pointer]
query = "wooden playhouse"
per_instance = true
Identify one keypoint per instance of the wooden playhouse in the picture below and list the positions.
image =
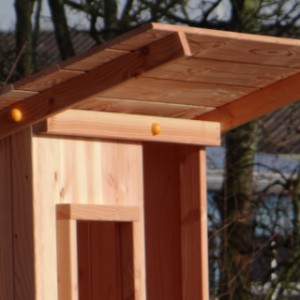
(103, 180)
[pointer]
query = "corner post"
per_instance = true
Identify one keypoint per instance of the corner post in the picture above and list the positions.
(194, 243)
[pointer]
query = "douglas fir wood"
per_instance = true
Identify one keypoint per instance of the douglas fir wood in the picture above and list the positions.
(67, 266)
(6, 223)
(131, 127)
(107, 198)
(94, 212)
(67, 93)
(256, 104)
(163, 64)
(194, 224)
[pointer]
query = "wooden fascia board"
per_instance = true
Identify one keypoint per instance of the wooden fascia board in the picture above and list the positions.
(256, 104)
(62, 96)
(95, 124)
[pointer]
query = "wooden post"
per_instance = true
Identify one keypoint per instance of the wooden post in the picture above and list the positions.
(67, 269)
(175, 221)
(6, 223)
(162, 221)
(194, 244)
(22, 206)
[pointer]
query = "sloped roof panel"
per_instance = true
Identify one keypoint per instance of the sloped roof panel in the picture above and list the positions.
(166, 70)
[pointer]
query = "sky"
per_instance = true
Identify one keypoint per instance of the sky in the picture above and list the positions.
(7, 14)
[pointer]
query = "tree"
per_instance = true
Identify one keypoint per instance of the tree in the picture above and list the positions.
(61, 29)
(24, 9)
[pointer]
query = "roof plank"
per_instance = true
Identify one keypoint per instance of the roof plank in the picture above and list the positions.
(176, 91)
(137, 107)
(67, 93)
(45, 79)
(256, 104)
(270, 52)
(166, 70)
(222, 72)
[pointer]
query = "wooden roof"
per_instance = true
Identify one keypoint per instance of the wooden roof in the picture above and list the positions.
(165, 70)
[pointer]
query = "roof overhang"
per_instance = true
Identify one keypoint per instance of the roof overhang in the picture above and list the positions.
(168, 71)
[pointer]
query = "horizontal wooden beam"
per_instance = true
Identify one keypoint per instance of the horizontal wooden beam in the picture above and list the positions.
(65, 94)
(131, 127)
(256, 104)
(98, 212)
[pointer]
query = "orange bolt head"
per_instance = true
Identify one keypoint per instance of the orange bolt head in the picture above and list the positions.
(155, 129)
(16, 115)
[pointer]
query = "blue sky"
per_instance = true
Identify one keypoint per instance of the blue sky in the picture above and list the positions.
(7, 14)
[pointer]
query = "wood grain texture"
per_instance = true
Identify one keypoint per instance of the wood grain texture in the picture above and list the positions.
(67, 266)
(131, 127)
(176, 222)
(235, 74)
(45, 79)
(65, 94)
(256, 104)
(163, 64)
(162, 221)
(23, 220)
(100, 259)
(184, 92)
(91, 59)
(88, 171)
(82, 172)
(11, 96)
(94, 212)
(258, 50)
(84, 260)
(129, 106)
(6, 223)
(106, 261)
(217, 68)
(139, 37)
(194, 245)
(139, 261)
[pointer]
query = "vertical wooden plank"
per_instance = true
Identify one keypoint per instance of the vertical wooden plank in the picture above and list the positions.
(84, 260)
(204, 266)
(67, 260)
(100, 261)
(108, 268)
(105, 261)
(162, 221)
(46, 188)
(139, 260)
(6, 219)
(24, 260)
(127, 263)
(194, 243)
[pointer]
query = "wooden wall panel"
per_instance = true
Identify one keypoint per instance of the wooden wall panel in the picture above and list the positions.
(105, 252)
(99, 261)
(82, 172)
(6, 228)
(162, 221)
(23, 223)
